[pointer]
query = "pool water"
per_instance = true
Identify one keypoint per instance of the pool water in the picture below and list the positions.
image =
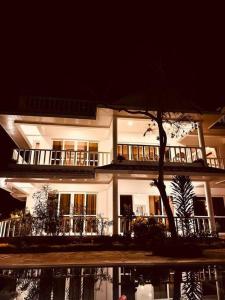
(106, 283)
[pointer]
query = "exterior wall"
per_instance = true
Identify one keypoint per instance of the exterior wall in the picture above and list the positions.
(141, 190)
(104, 197)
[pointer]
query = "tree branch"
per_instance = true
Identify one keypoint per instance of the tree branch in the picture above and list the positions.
(140, 112)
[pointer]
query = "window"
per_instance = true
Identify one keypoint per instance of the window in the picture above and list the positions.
(78, 211)
(72, 152)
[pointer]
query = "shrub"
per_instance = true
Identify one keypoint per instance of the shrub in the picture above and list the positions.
(148, 228)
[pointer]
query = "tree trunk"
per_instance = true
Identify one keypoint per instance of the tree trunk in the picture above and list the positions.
(160, 181)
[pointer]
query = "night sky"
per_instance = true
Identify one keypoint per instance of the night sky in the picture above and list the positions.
(113, 52)
(109, 53)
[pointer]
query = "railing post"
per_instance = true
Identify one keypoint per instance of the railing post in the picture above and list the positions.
(209, 202)
(201, 142)
(115, 205)
(4, 228)
(114, 139)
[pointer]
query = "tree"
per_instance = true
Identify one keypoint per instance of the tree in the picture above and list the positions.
(45, 211)
(175, 120)
(183, 194)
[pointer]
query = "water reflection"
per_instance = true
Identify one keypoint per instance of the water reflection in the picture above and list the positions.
(128, 282)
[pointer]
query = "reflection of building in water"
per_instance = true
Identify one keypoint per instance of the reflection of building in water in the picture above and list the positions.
(111, 283)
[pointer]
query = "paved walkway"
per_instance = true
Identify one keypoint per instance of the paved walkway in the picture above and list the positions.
(104, 258)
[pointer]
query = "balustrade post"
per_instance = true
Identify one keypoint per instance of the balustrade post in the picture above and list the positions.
(1, 227)
(201, 142)
(209, 203)
(115, 205)
(115, 138)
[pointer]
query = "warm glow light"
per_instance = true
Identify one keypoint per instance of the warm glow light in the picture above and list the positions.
(30, 130)
(130, 123)
(23, 185)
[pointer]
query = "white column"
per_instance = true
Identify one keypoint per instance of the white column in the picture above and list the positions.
(114, 139)
(201, 142)
(115, 205)
(209, 203)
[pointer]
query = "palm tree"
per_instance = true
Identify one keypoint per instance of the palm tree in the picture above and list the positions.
(183, 194)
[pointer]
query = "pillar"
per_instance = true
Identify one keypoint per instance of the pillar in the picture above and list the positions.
(114, 139)
(209, 203)
(201, 142)
(115, 205)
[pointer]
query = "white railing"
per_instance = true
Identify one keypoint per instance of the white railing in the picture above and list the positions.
(61, 226)
(197, 224)
(151, 153)
(60, 157)
(216, 162)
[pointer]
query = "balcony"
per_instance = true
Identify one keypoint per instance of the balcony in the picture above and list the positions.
(197, 224)
(50, 106)
(151, 153)
(47, 157)
(173, 154)
(62, 226)
(92, 225)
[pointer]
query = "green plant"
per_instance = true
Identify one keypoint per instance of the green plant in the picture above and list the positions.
(148, 228)
(45, 212)
(183, 194)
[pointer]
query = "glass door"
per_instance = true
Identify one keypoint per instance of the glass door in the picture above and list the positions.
(69, 153)
(85, 213)
(82, 148)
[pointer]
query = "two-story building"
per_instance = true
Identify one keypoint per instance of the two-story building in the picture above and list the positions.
(97, 160)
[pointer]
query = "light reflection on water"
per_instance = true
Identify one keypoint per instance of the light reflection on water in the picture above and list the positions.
(128, 282)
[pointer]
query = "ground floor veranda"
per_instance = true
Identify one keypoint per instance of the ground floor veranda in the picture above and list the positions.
(98, 207)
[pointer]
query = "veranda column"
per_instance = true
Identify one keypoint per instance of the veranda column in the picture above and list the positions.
(115, 205)
(114, 138)
(209, 203)
(201, 141)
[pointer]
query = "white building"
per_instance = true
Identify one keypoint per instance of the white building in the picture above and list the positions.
(100, 159)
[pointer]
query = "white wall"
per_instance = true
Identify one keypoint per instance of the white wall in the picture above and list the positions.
(104, 195)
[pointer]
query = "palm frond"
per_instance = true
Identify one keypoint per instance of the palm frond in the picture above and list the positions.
(182, 197)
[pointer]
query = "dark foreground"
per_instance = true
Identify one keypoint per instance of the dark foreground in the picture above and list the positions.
(106, 258)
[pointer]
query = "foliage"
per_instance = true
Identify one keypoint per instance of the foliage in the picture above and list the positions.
(45, 212)
(148, 227)
(191, 288)
(183, 194)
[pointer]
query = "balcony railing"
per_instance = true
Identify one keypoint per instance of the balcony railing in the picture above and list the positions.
(60, 226)
(94, 225)
(172, 154)
(197, 224)
(151, 153)
(60, 157)
(216, 162)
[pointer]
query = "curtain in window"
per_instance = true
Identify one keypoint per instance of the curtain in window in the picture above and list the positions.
(78, 204)
(65, 204)
(91, 204)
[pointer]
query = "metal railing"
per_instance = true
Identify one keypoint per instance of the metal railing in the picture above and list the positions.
(197, 224)
(60, 226)
(60, 157)
(151, 153)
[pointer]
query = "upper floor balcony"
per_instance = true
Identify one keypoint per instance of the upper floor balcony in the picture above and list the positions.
(173, 154)
(125, 152)
(119, 139)
(50, 157)
(50, 106)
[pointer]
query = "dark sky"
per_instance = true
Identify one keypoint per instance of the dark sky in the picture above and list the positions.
(114, 52)
(105, 53)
